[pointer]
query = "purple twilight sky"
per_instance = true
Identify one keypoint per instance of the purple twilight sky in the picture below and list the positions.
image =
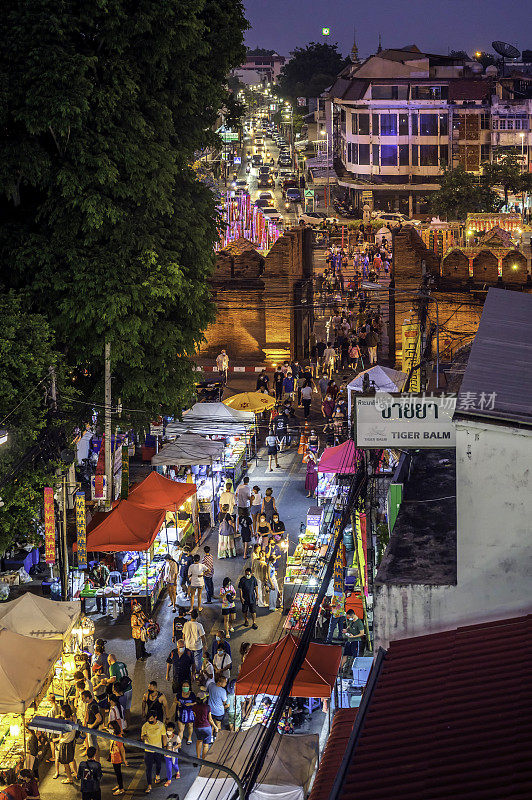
(434, 25)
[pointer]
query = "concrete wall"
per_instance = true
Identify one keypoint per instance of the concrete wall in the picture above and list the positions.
(494, 555)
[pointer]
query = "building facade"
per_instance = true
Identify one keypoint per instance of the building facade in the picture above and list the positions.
(267, 64)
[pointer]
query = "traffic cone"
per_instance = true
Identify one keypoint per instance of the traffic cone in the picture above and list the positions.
(303, 440)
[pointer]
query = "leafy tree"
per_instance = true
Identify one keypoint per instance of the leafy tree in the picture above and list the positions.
(310, 70)
(103, 221)
(505, 173)
(462, 193)
(486, 59)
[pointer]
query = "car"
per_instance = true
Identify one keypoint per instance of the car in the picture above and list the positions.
(293, 194)
(266, 196)
(273, 214)
(284, 161)
(313, 217)
(241, 184)
(262, 203)
(256, 160)
(391, 219)
(265, 181)
(264, 169)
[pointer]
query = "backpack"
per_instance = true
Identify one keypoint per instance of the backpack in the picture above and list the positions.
(124, 683)
(89, 780)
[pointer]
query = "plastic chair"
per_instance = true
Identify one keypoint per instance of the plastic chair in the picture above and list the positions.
(114, 578)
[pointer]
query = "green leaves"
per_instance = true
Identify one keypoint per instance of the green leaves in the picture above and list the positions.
(462, 193)
(310, 70)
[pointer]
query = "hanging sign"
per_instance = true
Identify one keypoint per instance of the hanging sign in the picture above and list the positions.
(124, 492)
(340, 561)
(411, 354)
(81, 529)
(362, 550)
(99, 487)
(49, 525)
(408, 421)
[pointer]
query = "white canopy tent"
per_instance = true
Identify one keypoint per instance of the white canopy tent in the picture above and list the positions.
(381, 379)
(33, 615)
(286, 775)
(25, 663)
(189, 448)
(213, 418)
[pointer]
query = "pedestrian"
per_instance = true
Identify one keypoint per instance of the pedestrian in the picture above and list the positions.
(256, 505)
(194, 636)
(220, 640)
(185, 560)
(99, 657)
(138, 630)
(272, 444)
(278, 378)
(89, 775)
(247, 586)
(263, 382)
(121, 684)
(264, 530)
(203, 725)
(327, 407)
(246, 530)
(222, 364)
(243, 497)
(92, 718)
(228, 498)
(353, 634)
(372, 341)
(170, 578)
(288, 386)
(184, 714)
(257, 569)
(117, 757)
(196, 572)
(226, 535)
(354, 356)
(154, 702)
(280, 429)
(171, 762)
(206, 676)
(306, 399)
(99, 577)
(222, 663)
(245, 647)
(218, 700)
(337, 619)
(329, 358)
(65, 747)
(313, 443)
(153, 733)
(311, 477)
(181, 661)
(228, 595)
(116, 712)
(177, 625)
(208, 575)
(272, 584)
(268, 505)
(320, 349)
(323, 383)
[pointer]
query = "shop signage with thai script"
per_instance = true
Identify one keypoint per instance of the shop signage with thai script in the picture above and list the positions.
(49, 525)
(410, 421)
(81, 530)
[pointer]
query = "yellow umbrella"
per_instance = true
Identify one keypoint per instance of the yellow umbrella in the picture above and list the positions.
(250, 401)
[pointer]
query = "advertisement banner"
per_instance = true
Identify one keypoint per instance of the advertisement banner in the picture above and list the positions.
(407, 421)
(340, 560)
(411, 344)
(99, 487)
(49, 525)
(124, 492)
(81, 530)
(362, 550)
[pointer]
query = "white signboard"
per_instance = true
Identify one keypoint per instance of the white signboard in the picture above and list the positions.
(156, 429)
(408, 422)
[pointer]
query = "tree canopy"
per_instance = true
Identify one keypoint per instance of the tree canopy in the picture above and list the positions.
(310, 70)
(462, 193)
(104, 226)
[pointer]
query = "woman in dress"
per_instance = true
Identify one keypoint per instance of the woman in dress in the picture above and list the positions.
(228, 595)
(117, 757)
(311, 479)
(258, 569)
(256, 505)
(226, 535)
(268, 505)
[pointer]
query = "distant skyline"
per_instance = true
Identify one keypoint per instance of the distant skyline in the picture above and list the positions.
(433, 25)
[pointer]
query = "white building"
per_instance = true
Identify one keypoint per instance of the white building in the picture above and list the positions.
(417, 590)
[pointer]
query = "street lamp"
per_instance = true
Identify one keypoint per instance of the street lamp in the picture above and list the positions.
(325, 133)
(51, 725)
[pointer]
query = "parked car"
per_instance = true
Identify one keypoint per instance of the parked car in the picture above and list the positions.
(293, 195)
(313, 217)
(391, 219)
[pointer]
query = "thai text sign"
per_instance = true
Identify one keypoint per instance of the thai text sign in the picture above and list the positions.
(411, 342)
(49, 525)
(407, 421)
(81, 530)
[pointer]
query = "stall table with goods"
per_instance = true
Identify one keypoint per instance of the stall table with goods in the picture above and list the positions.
(303, 565)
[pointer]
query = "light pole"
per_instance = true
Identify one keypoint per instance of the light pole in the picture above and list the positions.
(51, 725)
(327, 191)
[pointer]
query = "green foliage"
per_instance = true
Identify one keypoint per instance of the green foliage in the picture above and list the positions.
(505, 173)
(462, 193)
(310, 70)
(104, 223)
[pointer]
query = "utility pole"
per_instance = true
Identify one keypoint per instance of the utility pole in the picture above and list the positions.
(107, 429)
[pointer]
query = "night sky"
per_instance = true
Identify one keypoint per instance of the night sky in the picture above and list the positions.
(434, 25)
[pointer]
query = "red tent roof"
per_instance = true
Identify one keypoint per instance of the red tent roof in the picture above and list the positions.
(155, 492)
(266, 667)
(342, 459)
(126, 527)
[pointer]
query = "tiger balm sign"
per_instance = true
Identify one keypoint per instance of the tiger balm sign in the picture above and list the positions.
(406, 421)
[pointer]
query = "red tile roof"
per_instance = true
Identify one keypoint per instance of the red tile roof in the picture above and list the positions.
(450, 717)
(333, 753)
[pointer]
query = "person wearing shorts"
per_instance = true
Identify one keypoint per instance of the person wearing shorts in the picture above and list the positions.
(273, 448)
(203, 725)
(247, 586)
(256, 505)
(227, 595)
(246, 530)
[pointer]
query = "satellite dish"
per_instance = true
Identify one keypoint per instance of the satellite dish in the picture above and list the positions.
(506, 50)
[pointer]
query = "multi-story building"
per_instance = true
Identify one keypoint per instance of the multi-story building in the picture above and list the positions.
(400, 117)
(266, 63)
(511, 116)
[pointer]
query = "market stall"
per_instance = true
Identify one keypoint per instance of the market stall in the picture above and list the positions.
(286, 775)
(201, 456)
(255, 402)
(377, 378)
(177, 499)
(302, 568)
(26, 666)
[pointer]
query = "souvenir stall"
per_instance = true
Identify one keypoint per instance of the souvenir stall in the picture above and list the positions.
(26, 666)
(180, 503)
(265, 668)
(336, 463)
(199, 455)
(302, 568)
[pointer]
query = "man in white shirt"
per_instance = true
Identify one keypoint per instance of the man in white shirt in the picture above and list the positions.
(222, 363)
(306, 399)
(196, 572)
(228, 498)
(194, 636)
(329, 358)
(243, 497)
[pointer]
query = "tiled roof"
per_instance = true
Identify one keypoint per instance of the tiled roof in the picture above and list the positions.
(449, 717)
(333, 753)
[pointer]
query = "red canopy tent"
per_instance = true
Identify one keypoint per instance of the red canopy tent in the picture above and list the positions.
(126, 527)
(266, 667)
(342, 459)
(156, 491)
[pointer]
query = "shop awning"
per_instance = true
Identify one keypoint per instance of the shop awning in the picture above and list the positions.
(382, 379)
(188, 449)
(213, 419)
(342, 459)
(266, 667)
(25, 663)
(34, 615)
(126, 527)
(157, 492)
(250, 401)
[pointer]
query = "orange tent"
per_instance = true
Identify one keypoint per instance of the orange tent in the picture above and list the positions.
(155, 491)
(126, 527)
(266, 667)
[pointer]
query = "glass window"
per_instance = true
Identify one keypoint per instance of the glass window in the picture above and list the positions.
(415, 157)
(354, 124)
(444, 155)
(403, 124)
(502, 124)
(375, 124)
(444, 125)
(389, 155)
(495, 124)
(363, 154)
(429, 92)
(484, 122)
(388, 124)
(509, 124)
(414, 124)
(384, 92)
(354, 152)
(375, 155)
(428, 124)
(428, 155)
(403, 155)
(363, 124)
(484, 152)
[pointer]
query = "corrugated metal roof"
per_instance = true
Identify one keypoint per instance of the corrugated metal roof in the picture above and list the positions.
(450, 717)
(498, 379)
(333, 753)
